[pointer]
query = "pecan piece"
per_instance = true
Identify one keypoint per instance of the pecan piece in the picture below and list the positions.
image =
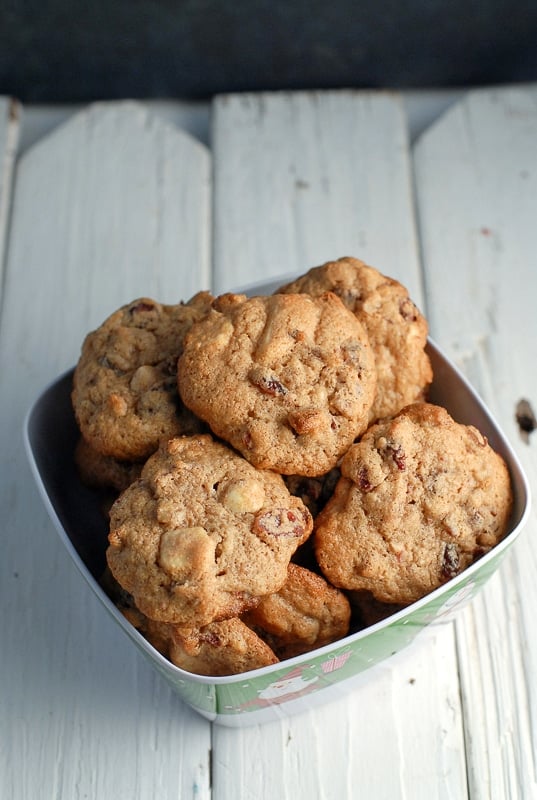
(352, 353)
(398, 455)
(281, 522)
(349, 297)
(106, 363)
(394, 450)
(141, 307)
(450, 562)
(408, 310)
(307, 420)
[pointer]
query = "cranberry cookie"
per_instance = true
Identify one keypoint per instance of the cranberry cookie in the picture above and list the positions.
(288, 380)
(228, 647)
(104, 472)
(125, 394)
(366, 610)
(396, 328)
(304, 614)
(420, 498)
(203, 533)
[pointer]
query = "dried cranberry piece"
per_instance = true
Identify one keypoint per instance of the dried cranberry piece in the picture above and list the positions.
(210, 638)
(363, 480)
(268, 384)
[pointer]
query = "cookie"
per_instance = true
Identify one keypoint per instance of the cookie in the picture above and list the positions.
(104, 472)
(125, 394)
(158, 634)
(288, 380)
(228, 647)
(396, 328)
(203, 533)
(304, 614)
(420, 498)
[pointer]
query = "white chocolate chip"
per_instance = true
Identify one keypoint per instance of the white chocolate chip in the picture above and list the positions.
(243, 496)
(186, 552)
(144, 377)
(224, 336)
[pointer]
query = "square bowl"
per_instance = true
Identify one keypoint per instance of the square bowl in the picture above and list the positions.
(299, 683)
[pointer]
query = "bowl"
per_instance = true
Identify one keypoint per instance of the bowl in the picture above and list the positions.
(302, 682)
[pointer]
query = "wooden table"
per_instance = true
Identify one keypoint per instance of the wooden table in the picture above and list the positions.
(119, 202)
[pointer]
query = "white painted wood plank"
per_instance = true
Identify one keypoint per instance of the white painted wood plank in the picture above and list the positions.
(398, 736)
(10, 112)
(191, 116)
(299, 179)
(302, 178)
(476, 178)
(111, 206)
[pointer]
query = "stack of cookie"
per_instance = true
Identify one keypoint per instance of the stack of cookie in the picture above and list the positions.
(280, 474)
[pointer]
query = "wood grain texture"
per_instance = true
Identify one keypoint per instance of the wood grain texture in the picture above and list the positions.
(111, 206)
(476, 180)
(191, 117)
(115, 204)
(10, 112)
(398, 735)
(300, 179)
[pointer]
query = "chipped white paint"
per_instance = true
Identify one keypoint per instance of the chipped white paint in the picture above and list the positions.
(476, 177)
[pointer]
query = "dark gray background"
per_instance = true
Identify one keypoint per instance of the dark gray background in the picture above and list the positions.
(61, 51)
